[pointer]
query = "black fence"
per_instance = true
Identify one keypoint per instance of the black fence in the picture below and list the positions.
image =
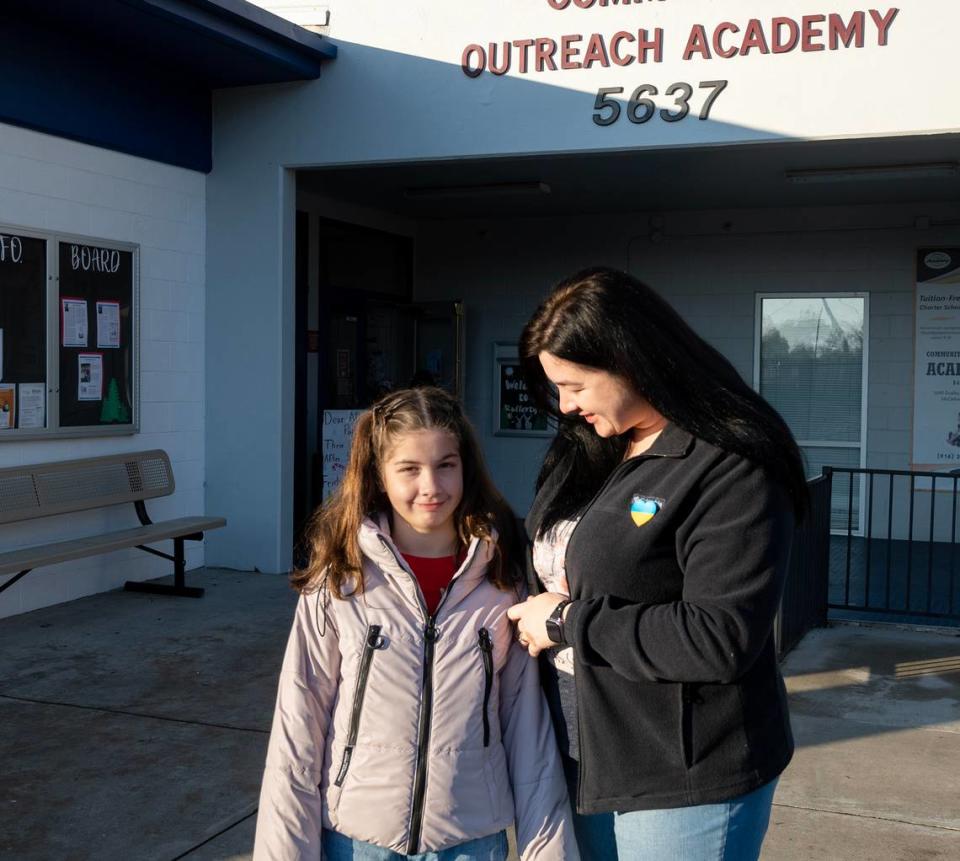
(893, 552)
(804, 604)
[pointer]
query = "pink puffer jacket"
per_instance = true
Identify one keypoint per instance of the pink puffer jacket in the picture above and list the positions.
(411, 733)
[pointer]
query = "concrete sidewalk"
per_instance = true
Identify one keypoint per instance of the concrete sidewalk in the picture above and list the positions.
(134, 727)
(876, 715)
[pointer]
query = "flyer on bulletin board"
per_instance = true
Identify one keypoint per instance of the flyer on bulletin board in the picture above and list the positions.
(90, 380)
(33, 405)
(74, 321)
(8, 405)
(108, 324)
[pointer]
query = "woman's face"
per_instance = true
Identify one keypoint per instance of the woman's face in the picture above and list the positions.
(604, 400)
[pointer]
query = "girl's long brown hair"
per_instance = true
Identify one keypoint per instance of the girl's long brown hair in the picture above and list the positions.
(331, 537)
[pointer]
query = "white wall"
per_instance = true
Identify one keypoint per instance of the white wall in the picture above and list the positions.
(48, 183)
(711, 274)
(397, 91)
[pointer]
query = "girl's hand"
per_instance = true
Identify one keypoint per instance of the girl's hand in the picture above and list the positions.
(531, 618)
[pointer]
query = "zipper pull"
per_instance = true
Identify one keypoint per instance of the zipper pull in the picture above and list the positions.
(374, 640)
(431, 633)
(486, 644)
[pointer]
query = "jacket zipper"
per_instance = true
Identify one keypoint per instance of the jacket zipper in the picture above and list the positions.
(486, 651)
(430, 636)
(566, 553)
(372, 643)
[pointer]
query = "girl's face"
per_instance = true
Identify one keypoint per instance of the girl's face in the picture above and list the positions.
(423, 478)
(605, 401)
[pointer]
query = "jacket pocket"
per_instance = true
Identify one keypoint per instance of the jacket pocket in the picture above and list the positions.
(373, 642)
(486, 654)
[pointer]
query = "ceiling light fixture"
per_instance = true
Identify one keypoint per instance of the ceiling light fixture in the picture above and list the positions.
(929, 170)
(496, 189)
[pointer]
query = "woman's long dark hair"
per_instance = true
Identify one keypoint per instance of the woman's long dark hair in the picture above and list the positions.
(610, 321)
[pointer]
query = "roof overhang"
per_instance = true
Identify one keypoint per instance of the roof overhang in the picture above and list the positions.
(136, 76)
(217, 43)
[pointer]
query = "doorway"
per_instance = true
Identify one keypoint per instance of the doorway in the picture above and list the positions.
(360, 336)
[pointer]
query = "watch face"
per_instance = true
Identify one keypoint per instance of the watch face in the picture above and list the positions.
(554, 631)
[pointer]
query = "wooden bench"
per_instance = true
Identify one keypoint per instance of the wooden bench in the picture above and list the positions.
(42, 490)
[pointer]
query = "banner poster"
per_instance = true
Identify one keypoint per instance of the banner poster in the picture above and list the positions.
(936, 390)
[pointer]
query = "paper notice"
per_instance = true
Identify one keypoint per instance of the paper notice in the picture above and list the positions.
(8, 405)
(33, 405)
(337, 438)
(108, 324)
(74, 313)
(90, 383)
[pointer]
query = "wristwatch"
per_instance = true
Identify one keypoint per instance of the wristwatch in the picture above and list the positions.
(555, 624)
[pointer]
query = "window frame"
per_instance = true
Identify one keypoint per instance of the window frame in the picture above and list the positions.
(864, 379)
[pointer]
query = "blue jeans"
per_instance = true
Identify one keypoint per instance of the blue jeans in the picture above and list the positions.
(730, 831)
(337, 847)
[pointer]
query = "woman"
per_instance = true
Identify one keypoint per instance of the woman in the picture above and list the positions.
(665, 508)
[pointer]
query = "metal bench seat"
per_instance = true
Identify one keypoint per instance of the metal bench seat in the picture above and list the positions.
(42, 490)
(93, 545)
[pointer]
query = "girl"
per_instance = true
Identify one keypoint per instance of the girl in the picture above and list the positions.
(409, 723)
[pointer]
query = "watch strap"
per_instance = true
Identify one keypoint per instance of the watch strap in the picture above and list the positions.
(555, 624)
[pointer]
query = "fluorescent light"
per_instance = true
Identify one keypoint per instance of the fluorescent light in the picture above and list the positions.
(929, 170)
(497, 189)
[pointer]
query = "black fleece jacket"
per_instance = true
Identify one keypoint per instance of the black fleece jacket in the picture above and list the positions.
(676, 569)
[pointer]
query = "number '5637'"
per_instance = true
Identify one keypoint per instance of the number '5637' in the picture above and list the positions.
(641, 108)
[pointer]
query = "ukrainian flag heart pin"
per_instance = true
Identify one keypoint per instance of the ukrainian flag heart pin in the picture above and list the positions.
(643, 509)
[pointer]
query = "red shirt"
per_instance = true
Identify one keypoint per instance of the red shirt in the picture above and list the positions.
(433, 575)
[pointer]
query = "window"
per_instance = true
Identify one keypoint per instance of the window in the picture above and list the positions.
(811, 366)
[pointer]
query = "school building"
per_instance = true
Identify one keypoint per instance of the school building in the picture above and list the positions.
(226, 227)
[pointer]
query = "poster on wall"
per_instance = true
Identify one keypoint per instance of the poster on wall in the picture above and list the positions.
(936, 390)
(514, 413)
(337, 437)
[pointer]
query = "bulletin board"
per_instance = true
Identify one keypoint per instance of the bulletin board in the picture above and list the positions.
(23, 348)
(95, 303)
(68, 335)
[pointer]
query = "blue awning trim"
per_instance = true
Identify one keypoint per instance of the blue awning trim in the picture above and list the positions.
(293, 52)
(136, 75)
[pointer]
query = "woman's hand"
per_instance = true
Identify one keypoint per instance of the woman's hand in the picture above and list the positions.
(531, 618)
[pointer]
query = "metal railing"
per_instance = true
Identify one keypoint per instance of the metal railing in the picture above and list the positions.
(804, 603)
(896, 558)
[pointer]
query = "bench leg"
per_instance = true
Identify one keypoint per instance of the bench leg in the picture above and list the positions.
(179, 586)
(14, 579)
